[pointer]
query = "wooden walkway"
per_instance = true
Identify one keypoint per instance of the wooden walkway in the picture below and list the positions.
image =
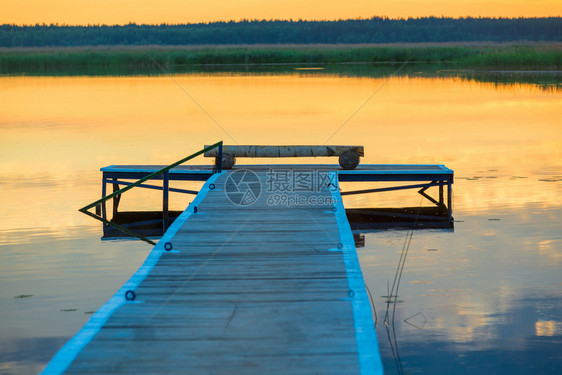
(239, 284)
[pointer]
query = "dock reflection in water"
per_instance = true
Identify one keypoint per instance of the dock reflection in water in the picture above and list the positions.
(490, 290)
(149, 223)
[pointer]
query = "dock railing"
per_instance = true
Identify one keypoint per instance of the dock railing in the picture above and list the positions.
(165, 185)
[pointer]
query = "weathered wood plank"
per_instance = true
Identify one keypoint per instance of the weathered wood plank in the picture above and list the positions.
(284, 151)
(254, 289)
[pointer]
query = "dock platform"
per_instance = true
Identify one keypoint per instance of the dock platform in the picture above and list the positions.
(245, 281)
(238, 285)
(424, 176)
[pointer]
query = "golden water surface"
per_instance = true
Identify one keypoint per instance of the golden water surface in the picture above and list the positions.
(504, 142)
(61, 129)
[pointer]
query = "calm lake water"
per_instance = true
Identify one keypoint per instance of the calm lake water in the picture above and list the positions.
(484, 298)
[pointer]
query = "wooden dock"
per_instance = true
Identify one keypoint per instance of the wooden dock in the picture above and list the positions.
(240, 283)
(422, 177)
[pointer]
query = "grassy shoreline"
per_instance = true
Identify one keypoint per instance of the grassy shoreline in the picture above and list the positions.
(484, 56)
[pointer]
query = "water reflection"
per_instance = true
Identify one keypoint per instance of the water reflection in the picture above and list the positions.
(470, 299)
(27, 355)
(148, 224)
(548, 328)
(484, 298)
(543, 80)
(51, 282)
(549, 81)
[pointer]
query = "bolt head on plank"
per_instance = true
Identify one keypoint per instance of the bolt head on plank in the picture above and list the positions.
(349, 160)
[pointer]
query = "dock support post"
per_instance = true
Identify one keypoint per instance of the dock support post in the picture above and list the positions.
(165, 196)
(219, 163)
(441, 198)
(103, 194)
(116, 199)
(450, 199)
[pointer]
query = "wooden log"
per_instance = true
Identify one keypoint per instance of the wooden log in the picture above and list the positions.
(349, 160)
(228, 160)
(284, 151)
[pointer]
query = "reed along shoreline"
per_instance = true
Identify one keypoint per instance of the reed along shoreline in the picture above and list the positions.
(484, 56)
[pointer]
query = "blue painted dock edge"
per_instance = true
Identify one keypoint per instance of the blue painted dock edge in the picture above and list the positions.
(66, 355)
(367, 344)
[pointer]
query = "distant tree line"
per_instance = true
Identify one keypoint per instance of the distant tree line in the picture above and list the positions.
(374, 30)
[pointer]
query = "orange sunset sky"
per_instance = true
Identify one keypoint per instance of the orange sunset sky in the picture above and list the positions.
(110, 12)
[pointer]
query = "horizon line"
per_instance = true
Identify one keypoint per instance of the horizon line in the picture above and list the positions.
(242, 20)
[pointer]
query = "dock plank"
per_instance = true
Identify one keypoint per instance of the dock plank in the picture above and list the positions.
(245, 289)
